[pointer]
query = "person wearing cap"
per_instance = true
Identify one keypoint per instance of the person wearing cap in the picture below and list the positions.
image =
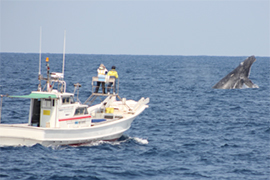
(113, 74)
(102, 71)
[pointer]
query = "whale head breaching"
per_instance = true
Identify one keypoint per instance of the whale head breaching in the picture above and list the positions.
(238, 77)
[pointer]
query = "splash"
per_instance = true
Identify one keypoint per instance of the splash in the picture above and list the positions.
(140, 140)
(123, 139)
(255, 86)
(100, 142)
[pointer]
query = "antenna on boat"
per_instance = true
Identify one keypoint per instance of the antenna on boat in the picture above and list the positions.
(64, 49)
(39, 72)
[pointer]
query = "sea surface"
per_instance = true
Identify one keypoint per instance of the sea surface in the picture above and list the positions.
(190, 131)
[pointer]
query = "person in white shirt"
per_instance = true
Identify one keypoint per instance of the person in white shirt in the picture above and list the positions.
(102, 71)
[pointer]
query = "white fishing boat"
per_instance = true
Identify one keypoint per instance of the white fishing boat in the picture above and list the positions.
(59, 118)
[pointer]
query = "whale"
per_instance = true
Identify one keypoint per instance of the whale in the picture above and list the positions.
(239, 77)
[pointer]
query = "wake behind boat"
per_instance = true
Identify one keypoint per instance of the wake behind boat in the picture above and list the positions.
(55, 118)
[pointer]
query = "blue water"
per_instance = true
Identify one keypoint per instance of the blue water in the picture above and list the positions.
(189, 131)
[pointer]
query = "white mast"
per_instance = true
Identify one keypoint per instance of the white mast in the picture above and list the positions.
(40, 38)
(39, 71)
(64, 49)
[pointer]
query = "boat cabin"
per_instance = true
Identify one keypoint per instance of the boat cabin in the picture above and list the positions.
(57, 110)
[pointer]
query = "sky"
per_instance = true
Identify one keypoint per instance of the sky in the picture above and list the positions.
(179, 27)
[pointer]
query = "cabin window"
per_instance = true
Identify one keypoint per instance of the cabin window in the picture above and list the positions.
(46, 103)
(65, 100)
(68, 100)
(81, 111)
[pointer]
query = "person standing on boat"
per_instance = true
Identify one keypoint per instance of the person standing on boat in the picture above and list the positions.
(113, 74)
(102, 71)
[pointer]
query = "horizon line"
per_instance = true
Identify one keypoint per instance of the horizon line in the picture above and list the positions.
(135, 54)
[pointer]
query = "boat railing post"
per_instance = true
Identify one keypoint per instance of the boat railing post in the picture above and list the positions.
(48, 75)
(2, 96)
(1, 107)
(63, 88)
(117, 86)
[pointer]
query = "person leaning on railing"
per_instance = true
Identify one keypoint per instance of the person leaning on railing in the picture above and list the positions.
(113, 74)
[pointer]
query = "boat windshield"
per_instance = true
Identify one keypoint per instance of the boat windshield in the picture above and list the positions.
(67, 100)
(81, 111)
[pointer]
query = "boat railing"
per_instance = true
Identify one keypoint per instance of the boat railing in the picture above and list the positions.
(108, 87)
(108, 83)
(141, 103)
(58, 83)
(61, 87)
(51, 80)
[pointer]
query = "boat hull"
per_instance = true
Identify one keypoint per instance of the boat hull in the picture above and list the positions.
(24, 135)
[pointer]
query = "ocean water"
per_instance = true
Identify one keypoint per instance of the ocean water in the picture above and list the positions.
(190, 131)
